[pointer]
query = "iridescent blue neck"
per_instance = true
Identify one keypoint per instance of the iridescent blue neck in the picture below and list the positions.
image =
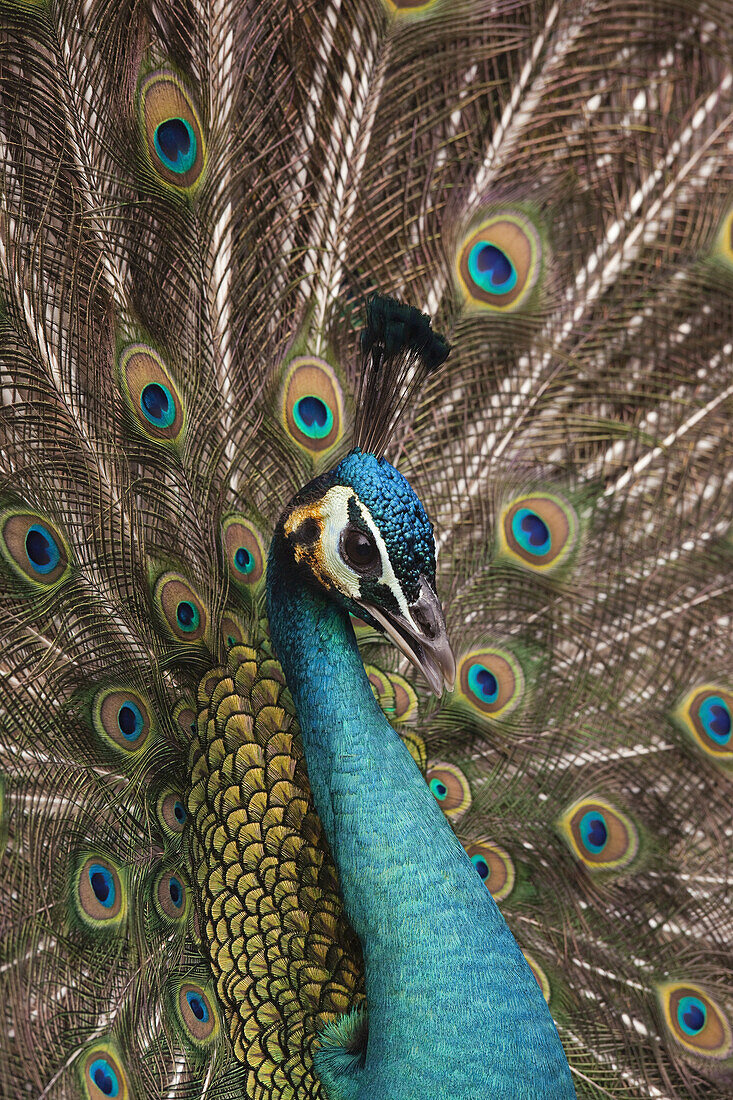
(454, 1011)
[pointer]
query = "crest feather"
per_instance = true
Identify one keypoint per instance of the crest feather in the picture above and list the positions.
(400, 350)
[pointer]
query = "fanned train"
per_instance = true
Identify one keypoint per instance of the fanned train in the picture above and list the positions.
(351, 350)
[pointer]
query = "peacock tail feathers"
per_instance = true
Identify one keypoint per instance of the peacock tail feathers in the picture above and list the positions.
(195, 202)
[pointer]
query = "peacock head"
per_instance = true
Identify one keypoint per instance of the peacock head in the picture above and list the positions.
(359, 532)
(361, 535)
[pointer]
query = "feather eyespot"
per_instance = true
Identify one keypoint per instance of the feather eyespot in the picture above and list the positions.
(405, 698)
(450, 789)
(538, 531)
(599, 835)
(494, 866)
(34, 548)
(312, 416)
(695, 1020)
(171, 896)
(172, 812)
(123, 718)
(158, 405)
(104, 888)
(500, 262)
(196, 1013)
(244, 560)
(312, 404)
(706, 716)
(103, 1077)
(151, 394)
(245, 552)
(232, 632)
(491, 681)
(99, 894)
(172, 131)
(539, 974)
(182, 609)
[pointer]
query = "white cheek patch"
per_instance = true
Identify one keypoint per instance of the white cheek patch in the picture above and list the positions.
(334, 510)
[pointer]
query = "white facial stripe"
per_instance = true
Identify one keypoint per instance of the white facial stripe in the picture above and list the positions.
(334, 509)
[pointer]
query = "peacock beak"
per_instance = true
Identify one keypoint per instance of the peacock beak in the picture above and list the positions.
(422, 637)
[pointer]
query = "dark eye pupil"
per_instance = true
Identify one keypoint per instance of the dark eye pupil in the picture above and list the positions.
(359, 549)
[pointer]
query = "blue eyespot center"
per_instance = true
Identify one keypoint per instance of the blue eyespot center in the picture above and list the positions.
(42, 549)
(481, 866)
(491, 269)
(187, 616)
(691, 1015)
(244, 560)
(197, 1006)
(716, 719)
(179, 812)
(130, 720)
(439, 789)
(313, 416)
(176, 891)
(594, 831)
(483, 683)
(104, 1077)
(103, 885)
(175, 144)
(531, 532)
(158, 405)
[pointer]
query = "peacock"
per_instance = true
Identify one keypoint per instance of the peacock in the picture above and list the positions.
(366, 549)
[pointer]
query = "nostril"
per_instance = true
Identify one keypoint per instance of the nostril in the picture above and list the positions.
(427, 626)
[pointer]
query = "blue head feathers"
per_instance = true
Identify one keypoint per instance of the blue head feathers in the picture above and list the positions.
(397, 512)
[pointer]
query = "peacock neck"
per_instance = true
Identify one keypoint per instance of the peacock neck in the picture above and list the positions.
(453, 1007)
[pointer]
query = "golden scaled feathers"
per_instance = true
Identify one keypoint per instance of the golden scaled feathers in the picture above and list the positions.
(285, 959)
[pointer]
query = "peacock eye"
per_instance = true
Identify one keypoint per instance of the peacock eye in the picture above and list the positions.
(358, 550)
